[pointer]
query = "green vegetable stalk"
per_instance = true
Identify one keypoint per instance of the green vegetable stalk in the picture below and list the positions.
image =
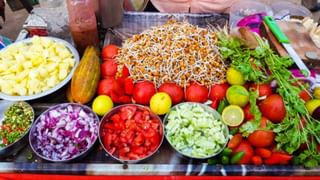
(261, 65)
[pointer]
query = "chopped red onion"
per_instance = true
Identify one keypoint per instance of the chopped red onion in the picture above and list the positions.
(65, 131)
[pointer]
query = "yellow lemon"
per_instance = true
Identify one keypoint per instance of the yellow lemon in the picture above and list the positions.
(316, 92)
(312, 105)
(102, 104)
(232, 115)
(237, 95)
(234, 77)
(160, 103)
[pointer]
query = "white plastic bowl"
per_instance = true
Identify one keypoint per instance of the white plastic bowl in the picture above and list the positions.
(55, 88)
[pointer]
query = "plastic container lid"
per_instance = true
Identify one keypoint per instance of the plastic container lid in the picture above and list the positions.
(284, 8)
(245, 8)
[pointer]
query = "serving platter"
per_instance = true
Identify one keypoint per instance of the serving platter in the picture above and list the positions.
(56, 87)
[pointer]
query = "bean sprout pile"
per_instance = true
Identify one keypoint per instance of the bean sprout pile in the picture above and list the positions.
(177, 51)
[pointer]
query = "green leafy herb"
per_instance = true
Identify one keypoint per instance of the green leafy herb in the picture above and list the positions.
(262, 65)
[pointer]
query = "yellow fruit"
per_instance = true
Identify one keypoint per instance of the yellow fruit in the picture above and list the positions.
(160, 103)
(312, 105)
(232, 115)
(102, 104)
(234, 77)
(237, 95)
(316, 92)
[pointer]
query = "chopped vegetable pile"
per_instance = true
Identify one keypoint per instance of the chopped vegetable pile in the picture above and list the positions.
(132, 133)
(18, 119)
(65, 132)
(194, 131)
(176, 51)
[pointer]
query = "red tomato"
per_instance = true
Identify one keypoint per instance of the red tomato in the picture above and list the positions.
(235, 141)
(108, 69)
(262, 138)
(245, 147)
(247, 113)
(131, 133)
(109, 52)
(125, 71)
(218, 91)
(273, 108)
(265, 90)
(128, 86)
(305, 95)
(143, 91)
(173, 90)
(110, 87)
(197, 93)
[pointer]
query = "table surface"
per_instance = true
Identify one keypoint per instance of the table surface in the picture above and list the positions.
(166, 161)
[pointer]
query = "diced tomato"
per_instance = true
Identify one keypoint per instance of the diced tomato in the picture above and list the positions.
(155, 124)
(115, 118)
(138, 116)
(129, 111)
(133, 156)
(138, 150)
(150, 133)
(138, 140)
(131, 133)
(155, 139)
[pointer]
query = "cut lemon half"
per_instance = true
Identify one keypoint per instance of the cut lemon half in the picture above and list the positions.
(232, 115)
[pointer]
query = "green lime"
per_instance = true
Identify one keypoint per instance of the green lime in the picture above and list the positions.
(237, 95)
(234, 77)
(232, 115)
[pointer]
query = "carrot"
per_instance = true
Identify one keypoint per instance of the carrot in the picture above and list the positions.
(256, 160)
(235, 141)
(263, 152)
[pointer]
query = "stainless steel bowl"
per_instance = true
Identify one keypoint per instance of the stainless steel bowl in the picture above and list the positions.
(206, 108)
(53, 89)
(15, 147)
(32, 138)
(115, 110)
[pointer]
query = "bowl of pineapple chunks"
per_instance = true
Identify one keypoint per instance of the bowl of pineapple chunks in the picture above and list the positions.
(36, 67)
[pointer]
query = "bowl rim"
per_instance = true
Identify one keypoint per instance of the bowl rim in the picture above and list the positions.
(31, 137)
(57, 86)
(226, 129)
(111, 112)
(10, 103)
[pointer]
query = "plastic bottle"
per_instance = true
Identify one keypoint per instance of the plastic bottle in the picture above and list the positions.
(82, 24)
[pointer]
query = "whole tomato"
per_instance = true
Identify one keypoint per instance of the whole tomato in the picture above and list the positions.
(247, 113)
(109, 52)
(218, 91)
(264, 90)
(197, 93)
(262, 138)
(110, 87)
(273, 108)
(173, 90)
(245, 147)
(108, 68)
(143, 91)
(305, 95)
